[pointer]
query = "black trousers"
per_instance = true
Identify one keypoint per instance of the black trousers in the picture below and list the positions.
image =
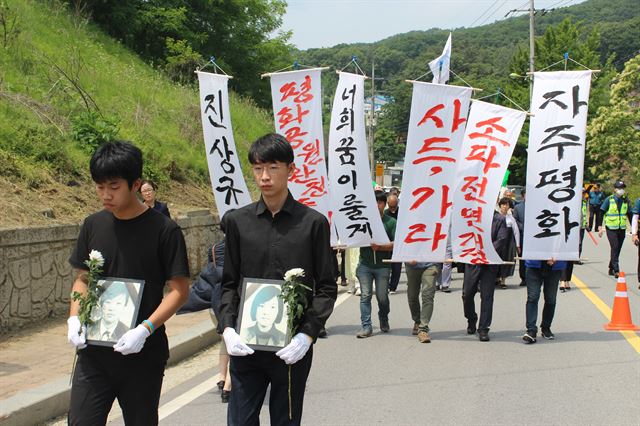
(482, 278)
(595, 213)
(616, 238)
(100, 378)
(566, 273)
(252, 374)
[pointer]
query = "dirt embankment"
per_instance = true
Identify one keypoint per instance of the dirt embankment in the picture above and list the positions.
(56, 203)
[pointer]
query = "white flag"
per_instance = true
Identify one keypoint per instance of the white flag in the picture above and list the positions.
(355, 211)
(555, 164)
(229, 188)
(491, 135)
(436, 128)
(440, 66)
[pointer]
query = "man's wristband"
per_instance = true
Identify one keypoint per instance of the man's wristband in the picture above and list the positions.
(149, 325)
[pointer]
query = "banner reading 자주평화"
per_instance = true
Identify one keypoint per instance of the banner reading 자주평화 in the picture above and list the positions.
(436, 128)
(229, 187)
(355, 212)
(555, 164)
(489, 140)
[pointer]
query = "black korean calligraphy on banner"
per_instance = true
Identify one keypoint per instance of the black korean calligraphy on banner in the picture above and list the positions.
(227, 181)
(353, 204)
(555, 164)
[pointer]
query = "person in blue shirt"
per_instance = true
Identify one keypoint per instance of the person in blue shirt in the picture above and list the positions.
(616, 211)
(596, 197)
(635, 222)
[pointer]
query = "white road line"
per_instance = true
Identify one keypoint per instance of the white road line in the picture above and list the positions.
(180, 401)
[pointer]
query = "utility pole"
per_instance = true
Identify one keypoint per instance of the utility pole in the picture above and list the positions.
(373, 107)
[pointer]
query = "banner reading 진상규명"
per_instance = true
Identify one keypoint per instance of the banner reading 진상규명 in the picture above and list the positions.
(229, 187)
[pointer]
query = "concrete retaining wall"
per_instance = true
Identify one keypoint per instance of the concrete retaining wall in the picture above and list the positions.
(36, 278)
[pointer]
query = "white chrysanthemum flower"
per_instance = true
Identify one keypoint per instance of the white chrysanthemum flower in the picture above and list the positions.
(294, 273)
(97, 257)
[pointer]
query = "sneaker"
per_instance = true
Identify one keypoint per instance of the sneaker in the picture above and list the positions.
(364, 333)
(529, 337)
(357, 293)
(384, 325)
(415, 329)
(547, 334)
(423, 337)
(471, 329)
(483, 336)
(446, 290)
(392, 292)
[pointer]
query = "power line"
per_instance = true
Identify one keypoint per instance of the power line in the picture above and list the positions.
(493, 13)
(484, 13)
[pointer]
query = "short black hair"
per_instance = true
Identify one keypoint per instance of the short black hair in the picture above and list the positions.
(506, 200)
(270, 148)
(381, 196)
(117, 159)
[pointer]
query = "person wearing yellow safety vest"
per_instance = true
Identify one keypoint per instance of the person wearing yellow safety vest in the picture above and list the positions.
(616, 210)
(565, 276)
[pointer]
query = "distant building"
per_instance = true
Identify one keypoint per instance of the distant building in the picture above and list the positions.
(379, 101)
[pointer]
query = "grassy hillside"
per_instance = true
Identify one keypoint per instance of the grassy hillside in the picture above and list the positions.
(63, 82)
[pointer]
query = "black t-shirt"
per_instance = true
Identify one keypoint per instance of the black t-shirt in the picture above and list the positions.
(149, 247)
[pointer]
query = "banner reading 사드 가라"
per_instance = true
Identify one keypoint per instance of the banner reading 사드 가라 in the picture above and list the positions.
(489, 140)
(555, 164)
(229, 187)
(436, 128)
(355, 212)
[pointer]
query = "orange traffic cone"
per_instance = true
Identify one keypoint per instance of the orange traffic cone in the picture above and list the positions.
(621, 315)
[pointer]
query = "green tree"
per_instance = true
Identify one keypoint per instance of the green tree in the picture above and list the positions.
(386, 147)
(613, 135)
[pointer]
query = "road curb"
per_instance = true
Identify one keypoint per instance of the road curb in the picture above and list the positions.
(35, 406)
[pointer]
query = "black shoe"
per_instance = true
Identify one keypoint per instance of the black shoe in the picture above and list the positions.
(225, 396)
(522, 284)
(616, 274)
(547, 334)
(384, 325)
(220, 384)
(446, 289)
(529, 337)
(483, 336)
(471, 329)
(610, 271)
(322, 333)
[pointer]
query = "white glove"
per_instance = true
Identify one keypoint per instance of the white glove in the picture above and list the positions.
(132, 341)
(77, 333)
(235, 345)
(296, 349)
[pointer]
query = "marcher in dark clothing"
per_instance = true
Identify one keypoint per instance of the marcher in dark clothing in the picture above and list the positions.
(518, 215)
(148, 190)
(396, 268)
(596, 198)
(264, 240)
(135, 242)
(483, 278)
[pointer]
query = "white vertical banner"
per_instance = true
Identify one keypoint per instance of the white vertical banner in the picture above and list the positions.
(436, 128)
(489, 140)
(355, 211)
(555, 164)
(297, 110)
(229, 187)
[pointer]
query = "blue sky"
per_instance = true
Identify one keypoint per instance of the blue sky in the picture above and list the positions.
(325, 23)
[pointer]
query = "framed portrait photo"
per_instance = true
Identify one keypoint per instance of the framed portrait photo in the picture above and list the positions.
(116, 311)
(262, 319)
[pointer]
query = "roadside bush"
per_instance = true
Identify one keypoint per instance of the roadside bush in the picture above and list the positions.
(91, 129)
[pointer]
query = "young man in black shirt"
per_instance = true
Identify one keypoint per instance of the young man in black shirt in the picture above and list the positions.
(138, 243)
(264, 240)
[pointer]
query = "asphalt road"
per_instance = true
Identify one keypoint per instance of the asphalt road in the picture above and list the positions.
(587, 376)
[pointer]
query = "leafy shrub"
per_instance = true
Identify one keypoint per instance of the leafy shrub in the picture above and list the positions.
(91, 130)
